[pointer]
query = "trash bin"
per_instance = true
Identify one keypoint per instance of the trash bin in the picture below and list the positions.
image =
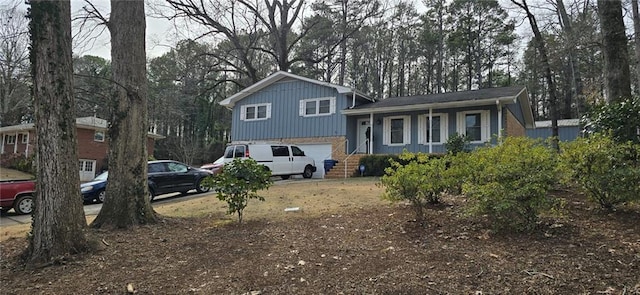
(328, 164)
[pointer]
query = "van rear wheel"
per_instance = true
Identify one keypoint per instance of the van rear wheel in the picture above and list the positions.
(308, 172)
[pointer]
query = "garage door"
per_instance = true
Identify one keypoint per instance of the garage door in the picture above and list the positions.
(319, 153)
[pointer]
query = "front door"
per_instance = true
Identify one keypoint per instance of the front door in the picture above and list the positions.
(363, 126)
(87, 170)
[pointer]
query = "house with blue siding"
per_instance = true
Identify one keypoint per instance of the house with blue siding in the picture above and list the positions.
(568, 129)
(329, 121)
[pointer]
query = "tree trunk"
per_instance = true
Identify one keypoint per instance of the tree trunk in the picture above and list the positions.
(614, 49)
(574, 69)
(544, 59)
(58, 225)
(127, 201)
(636, 38)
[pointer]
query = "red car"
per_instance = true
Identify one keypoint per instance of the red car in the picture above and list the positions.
(17, 194)
(215, 167)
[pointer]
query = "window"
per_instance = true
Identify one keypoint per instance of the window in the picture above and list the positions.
(155, 168)
(397, 130)
(9, 139)
(439, 129)
(25, 138)
(86, 165)
(254, 112)
(317, 106)
(296, 151)
(98, 136)
(475, 124)
(280, 151)
(177, 167)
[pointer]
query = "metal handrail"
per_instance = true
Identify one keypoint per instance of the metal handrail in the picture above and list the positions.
(349, 156)
(335, 149)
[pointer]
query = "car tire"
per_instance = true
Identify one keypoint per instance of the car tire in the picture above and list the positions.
(201, 188)
(101, 195)
(308, 172)
(285, 177)
(24, 205)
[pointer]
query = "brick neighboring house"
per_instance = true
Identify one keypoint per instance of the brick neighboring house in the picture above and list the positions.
(92, 144)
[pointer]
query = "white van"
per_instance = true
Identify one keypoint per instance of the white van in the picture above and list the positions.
(282, 160)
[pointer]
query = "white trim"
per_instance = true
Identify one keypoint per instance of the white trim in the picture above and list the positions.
(9, 137)
(243, 111)
(303, 106)
(25, 138)
(406, 130)
(423, 120)
(485, 124)
(95, 133)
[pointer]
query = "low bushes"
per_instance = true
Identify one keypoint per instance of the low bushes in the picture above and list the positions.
(607, 171)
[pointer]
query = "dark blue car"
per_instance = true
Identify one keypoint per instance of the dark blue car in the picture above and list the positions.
(94, 190)
(164, 177)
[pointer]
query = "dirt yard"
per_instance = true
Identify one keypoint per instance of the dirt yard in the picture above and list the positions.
(345, 240)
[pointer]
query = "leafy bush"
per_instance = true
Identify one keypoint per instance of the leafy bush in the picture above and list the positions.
(18, 162)
(457, 143)
(376, 164)
(239, 182)
(419, 181)
(621, 118)
(609, 172)
(509, 182)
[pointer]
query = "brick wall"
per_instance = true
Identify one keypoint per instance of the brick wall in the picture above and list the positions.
(513, 126)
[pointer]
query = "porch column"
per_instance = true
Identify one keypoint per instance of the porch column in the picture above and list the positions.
(499, 120)
(15, 144)
(430, 130)
(370, 151)
(26, 149)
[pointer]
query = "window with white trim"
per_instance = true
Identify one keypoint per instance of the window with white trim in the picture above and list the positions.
(439, 128)
(321, 106)
(475, 124)
(25, 138)
(98, 136)
(254, 112)
(9, 139)
(397, 130)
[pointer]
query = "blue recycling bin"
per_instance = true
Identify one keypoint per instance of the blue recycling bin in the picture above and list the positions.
(328, 164)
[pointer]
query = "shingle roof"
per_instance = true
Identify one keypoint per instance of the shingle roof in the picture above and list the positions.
(461, 96)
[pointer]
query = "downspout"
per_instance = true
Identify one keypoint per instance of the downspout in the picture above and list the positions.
(2, 148)
(499, 120)
(430, 130)
(353, 101)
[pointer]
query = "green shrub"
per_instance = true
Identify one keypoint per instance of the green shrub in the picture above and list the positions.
(457, 143)
(419, 181)
(607, 171)
(239, 182)
(621, 119)
(375, 165)
(509, 182)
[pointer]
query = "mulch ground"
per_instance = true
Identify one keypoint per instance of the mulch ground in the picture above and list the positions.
(371, 251)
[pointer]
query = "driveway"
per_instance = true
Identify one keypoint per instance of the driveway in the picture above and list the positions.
(11, 218)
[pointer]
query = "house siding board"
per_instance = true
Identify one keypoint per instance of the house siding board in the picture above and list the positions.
(285, 100)
(565, 133)
(414, 146)
(516, 110)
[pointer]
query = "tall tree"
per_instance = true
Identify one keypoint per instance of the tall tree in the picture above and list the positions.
(128, 201)
(544, 59)
(614, 48)
(14, 65)
(59, 223)
(636, 39)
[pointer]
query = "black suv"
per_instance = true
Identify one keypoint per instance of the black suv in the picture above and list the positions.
(171, 176)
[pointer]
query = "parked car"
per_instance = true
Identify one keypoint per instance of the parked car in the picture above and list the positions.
(282, 160)
(17, 194)
(215, 167)
(95, 189)
(163, 177)
(171, 176)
